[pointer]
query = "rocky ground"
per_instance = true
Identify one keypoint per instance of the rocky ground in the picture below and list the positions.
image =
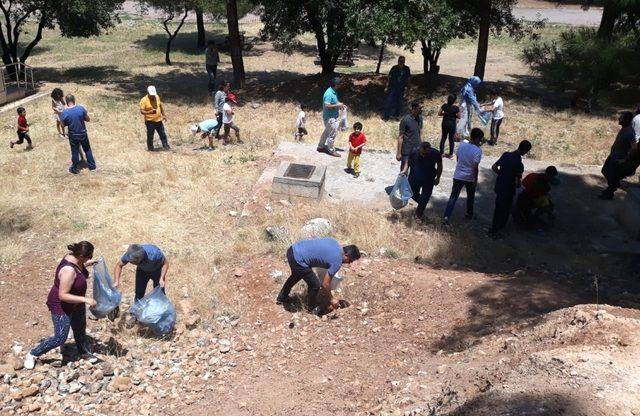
(415, 340)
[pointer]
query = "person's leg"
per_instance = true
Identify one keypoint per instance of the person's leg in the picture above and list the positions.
(331, 136)
(399, 100)
(350, 157)
(28, 139)
(61, 326)
(497, 132)
(293, 278)
(225, 137)
(470, 187)
(79, 326)
(356, 164)
(219, 126)
(453, 198)
(418, 196)
(20, 138)
(388, 104)
(163, 135)
(150, 130)
(313, 286)
(211, 76)
(322, 144)
(501, 211)
(75, 158)
(610, 173)
(443, 138)
(235, 128)
(86, 146)
(492, 131)
(142, 278)
(154, 276)
(452, 137)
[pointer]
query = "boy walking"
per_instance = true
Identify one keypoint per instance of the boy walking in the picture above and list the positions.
(466, 174)
(357, 140)
(227, 119)
(509, 169)
(301, 123)
(23, 130)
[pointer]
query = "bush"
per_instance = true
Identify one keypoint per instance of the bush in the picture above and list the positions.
(582, 62)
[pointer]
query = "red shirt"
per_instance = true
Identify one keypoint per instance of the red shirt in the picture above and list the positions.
(355, 140)
(22, 122)
(532, 187)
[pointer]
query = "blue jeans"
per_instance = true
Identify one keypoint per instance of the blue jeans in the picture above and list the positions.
(76, 143)
(61, 325)
(142, 280)
(212, 71)
(152, 127)
(393, 103)
(470, 187)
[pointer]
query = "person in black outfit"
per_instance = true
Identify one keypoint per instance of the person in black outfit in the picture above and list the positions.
(509, 169)
(426, 168)
(622, 150)
(450, 114)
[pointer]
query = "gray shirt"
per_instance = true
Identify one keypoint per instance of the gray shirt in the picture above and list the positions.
(410, 128)
(211, 57)
(624, 140)
(219, 100)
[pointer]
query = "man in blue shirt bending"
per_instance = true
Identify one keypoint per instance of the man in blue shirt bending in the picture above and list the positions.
(151, 265)
(324, 253)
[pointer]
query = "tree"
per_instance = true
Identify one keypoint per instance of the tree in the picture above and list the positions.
(200, 43)
(235, 44)
(74, 18)
(171, 10)
(335, 25)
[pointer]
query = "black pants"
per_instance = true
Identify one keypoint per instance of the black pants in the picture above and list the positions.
(612, 172)
(422, 191)
(152, 127)
(219, 120)
(504, 201)
(495, 129)
(22, 136)
(142, 280)
(298, 273)
(448, 131)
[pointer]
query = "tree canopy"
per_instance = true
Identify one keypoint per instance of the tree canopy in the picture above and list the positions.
(73, 17)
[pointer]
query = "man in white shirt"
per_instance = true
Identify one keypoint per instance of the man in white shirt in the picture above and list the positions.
(227, 119)
(466, 173)
(496, 106)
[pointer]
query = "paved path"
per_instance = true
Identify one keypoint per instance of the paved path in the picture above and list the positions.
(564, 15)
(561, 15)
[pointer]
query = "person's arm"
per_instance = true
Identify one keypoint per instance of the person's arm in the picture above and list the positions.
(496, 167)
(67, 276)
(438, 172)
(117, 272)
(399, 149)
(164, 117)
(440, 112)
(163, 273)
(330, 106)
(86, 116)
(476, 171)
(405, 168)
(459, 114)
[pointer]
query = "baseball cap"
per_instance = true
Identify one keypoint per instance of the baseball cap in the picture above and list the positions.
(151, 90)
(194, 129)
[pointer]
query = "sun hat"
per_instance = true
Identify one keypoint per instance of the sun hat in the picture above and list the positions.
(151, 90)
(194, 129)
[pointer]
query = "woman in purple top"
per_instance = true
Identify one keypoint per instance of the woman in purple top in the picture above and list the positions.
(66, 302)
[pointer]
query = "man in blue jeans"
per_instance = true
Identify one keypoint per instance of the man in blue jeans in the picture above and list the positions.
(466, 174)
(324, 253)
(151, 265)
(74, 117)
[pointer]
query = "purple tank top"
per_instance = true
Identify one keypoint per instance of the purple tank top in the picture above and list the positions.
(79, 288)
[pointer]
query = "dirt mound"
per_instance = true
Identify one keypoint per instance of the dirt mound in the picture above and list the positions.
(415, 340)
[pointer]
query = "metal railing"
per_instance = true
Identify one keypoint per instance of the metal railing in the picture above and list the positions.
(19, 75)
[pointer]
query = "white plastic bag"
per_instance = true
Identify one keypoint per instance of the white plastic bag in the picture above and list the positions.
(400, 193)
(344, 123)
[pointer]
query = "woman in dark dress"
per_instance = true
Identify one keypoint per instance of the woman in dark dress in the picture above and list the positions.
(450, 114)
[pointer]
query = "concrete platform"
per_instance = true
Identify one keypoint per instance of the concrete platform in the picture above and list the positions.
(299, 180)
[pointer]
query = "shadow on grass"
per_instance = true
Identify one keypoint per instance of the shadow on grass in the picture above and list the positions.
(186, 42)
(88, 75)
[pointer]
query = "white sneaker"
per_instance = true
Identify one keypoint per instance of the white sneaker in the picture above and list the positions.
(29, 361)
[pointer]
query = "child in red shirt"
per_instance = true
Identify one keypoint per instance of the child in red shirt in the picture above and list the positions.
(357, 140)
(23, 129)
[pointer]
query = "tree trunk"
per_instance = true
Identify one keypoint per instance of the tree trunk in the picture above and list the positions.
(235, 44)
(200, 26)
(483, 38)
(610, 13)
(167, 52)
(380, 56)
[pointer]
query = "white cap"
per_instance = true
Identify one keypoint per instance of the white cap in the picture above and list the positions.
(151, 90)
(194, 129)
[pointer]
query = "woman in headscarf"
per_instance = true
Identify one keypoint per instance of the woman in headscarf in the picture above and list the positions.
(469, 102)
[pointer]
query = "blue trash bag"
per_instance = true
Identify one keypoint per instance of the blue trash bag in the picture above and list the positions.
(106, 295)
(400, 193)
(156, 311)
